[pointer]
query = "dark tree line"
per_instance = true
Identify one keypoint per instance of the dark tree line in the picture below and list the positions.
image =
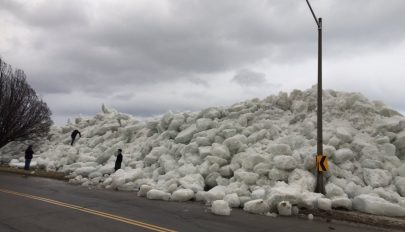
(23, 114)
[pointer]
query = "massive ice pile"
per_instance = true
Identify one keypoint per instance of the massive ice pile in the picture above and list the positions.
(257, 155)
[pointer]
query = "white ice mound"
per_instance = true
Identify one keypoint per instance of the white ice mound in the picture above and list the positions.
(253, 154)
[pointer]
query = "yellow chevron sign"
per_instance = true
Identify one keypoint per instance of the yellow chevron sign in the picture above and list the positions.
(322, 163)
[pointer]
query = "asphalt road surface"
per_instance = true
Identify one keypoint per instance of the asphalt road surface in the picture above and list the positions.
(32, 204)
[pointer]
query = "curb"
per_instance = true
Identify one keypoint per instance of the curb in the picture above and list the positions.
(359, 217)
(34, 172)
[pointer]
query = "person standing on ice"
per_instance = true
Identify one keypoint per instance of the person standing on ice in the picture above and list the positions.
(28, 157)
(73, 135)
(119, 160)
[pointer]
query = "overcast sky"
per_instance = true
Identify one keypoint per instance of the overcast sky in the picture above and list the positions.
(146, 57)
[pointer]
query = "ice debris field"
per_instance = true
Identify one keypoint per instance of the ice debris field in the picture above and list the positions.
(258, 155)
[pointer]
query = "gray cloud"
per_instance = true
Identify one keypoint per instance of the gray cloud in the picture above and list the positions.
(125, 52)
(250, 78)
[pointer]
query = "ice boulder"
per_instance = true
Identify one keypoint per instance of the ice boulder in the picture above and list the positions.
(216, 193)
(256, 206)
(401, 170)
(186, 135)
(324, 204)
(144, 190)
(333, 190)
(341, 202)
(220, 150)
(182, 195)
(279, 149)
(194, 182)
(284, 208)
(285, 162)
(247, 177)
(377, 177)
(236, 143)
(400, 184)
(302, 178)
(342, 155)
(155, 194)
(220, 207)
(233, 200)
(258, 194)
(378, 206)
(203, 124)
(283, 192)
(344, 134)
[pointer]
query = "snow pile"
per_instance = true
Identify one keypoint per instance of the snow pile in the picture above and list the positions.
(258, 155)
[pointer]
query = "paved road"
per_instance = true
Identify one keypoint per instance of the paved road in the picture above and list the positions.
(37, 204)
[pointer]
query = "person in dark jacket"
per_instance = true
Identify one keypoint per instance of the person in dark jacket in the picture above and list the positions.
(118, 161)
(73, 135)
(28, 157)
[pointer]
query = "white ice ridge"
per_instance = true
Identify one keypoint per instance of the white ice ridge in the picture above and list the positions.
(258, 155)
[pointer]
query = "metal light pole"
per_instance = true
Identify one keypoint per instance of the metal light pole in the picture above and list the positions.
(320, 186)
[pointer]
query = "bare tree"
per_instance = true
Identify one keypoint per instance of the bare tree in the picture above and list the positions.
(23, 114)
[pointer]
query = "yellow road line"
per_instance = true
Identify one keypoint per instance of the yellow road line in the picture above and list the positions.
(91, 211)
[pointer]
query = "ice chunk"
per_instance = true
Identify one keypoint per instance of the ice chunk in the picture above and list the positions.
(155, 194)
(332, 190)
(324, 204)
(279, 149)
(378, 206)
(283, 192)
(262, 168)
(85, 171)
(211, 179)
(342, 155)
(258, 206)
(344, 135)
(278, 175)
(226, 171)
(284, 208)
(400, 184)
(341, 202)
(220, 150)
(220, 207)
(247, 177)
(258, 194)
(285, 162)
(211, 113)
(216, 193)
(373, 164)
(400, 140)
(401, 170)
(203, 124)
(236, 143)
(233, 200)
(194, 182)
(186, 135)
(215, 159)
(302, 178)
(166, 120)
(309, 199)
(155, 154)
(182, 195)
(377, 177)
(201, 196)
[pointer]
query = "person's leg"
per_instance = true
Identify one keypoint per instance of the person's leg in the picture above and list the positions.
(29, 162)
(26, 167)
(73, 140)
